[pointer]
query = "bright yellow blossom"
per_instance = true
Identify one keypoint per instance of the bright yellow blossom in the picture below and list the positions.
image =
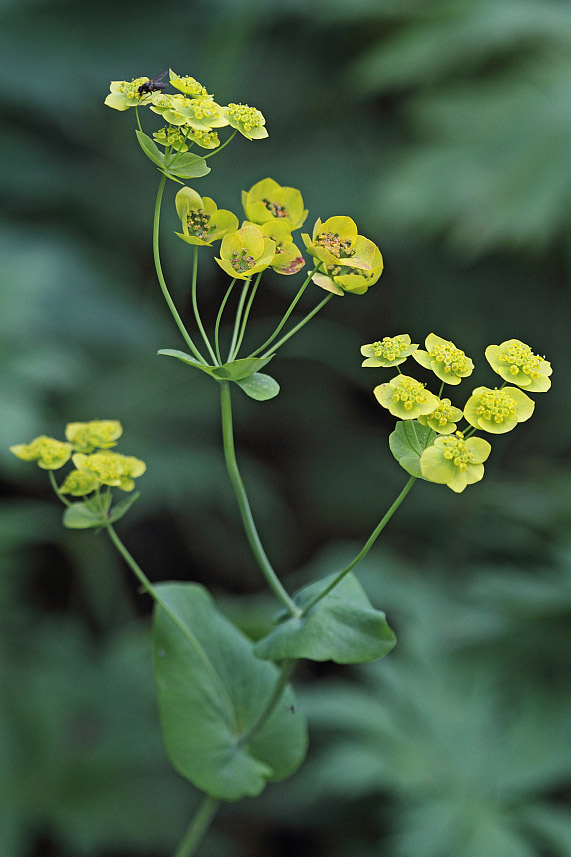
(202, 221)
(245, 252)
(268, 199)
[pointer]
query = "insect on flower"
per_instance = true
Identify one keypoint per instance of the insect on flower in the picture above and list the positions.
(153, 85)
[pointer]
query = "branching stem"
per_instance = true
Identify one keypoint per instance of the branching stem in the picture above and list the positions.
(161, 278)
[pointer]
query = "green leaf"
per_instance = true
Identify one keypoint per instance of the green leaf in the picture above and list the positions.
(237, 370)
(343, 627)
(187, 165)
(100, 504)
(211, 691)
(81, 517)
(186, 358)
(408, 442)
(150, 149)
(260, 387)
(122, 507)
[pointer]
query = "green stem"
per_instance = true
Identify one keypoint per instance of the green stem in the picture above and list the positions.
(219, 318)
(367, 547)
(238, 319)
(195, 305)
(246, 314)
(283, 678)
(140, 574)
(247, 518)
(298, 326)
(198, 827)
(160, 275)
(138, 120)
(288, 312)
(56, 489)
(219, 149)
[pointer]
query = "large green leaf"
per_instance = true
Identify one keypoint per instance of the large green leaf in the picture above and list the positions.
(237, 370)
(343, 627)
(211, 691)
(408, 442)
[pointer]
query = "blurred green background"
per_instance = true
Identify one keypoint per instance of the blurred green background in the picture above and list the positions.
(444, 130)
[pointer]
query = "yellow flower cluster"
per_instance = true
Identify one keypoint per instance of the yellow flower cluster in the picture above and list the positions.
(439, 452)
(191, 113)
(89, 447)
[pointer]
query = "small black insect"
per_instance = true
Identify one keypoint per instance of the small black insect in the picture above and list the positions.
(153, 85)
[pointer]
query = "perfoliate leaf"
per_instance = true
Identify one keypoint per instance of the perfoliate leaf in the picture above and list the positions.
(408, 442)
(212, 689)
(343, 627)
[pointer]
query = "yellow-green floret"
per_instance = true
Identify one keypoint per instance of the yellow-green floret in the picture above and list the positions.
(454, 461)
(111, 468)
(442, 357)
(406, 398)
(86, 437)
(50, 454)
(498, 411)
(249, 121)
(516, 363)
(443, 419)
(389, 351)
